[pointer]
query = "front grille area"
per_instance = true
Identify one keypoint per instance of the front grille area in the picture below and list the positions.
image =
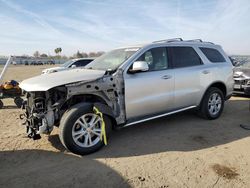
(241, 82)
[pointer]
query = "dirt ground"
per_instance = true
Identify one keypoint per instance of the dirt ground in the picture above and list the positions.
(181, 150)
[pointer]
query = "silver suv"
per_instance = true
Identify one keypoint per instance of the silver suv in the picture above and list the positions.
(127, 86)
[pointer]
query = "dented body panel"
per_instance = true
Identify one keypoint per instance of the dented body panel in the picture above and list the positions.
(110, 88)
(45, 82)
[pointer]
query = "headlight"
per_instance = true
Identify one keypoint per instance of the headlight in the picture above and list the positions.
(238, 74)
(248, 82)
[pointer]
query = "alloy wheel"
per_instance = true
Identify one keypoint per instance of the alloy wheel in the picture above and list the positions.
(86, 131)
(214, 104)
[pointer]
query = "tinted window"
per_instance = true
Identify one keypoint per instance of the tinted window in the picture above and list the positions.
(184, 57)
(156, 58)
(82, 63)
(213, 55)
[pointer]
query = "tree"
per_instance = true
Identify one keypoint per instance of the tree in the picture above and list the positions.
(92, 54)
(78, 54)
(43, 55)
(99, 53)
(36, 54)
(64, 57)
(84, 54)
(58, 50)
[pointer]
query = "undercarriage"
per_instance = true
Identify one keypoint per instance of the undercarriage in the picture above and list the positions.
(41, 111)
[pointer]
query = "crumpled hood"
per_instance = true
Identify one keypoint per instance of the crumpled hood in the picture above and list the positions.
(53, 69)
(45, 82)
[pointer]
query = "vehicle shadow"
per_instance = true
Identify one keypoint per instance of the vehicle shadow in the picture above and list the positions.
(241, 95)
(38, 168)
(180, 132)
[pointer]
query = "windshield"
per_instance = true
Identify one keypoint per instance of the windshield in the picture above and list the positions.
(112, 60)
(67, 63)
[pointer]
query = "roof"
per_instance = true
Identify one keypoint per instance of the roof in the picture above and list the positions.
(175, 41)
(83, 58)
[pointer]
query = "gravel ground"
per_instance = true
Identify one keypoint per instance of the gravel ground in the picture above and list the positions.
(181, 150)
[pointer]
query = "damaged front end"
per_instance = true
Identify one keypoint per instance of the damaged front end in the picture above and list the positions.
(48, 101)
(41, 111)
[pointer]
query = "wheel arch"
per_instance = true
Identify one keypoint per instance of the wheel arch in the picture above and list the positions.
(92, 100)
(218, 84)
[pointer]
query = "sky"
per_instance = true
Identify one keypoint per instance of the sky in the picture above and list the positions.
(101, 25)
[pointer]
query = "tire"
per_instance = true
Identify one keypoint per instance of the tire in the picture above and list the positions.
(18, 101)
(69, 125)
(1, 104)
(212, 104)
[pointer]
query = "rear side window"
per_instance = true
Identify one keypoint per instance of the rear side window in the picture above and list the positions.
(184, 57)
(213, 55)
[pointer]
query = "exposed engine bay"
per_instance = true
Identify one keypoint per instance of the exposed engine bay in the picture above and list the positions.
(44, 109)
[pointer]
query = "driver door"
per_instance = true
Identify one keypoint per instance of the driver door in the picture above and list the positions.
(152, 92)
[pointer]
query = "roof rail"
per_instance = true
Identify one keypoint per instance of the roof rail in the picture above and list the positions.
(169, 40)
(180, 40)
(198, 40)
(209, 42)
(194, 40)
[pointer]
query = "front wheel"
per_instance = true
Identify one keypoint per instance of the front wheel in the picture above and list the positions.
(212, 104)
(80, 130)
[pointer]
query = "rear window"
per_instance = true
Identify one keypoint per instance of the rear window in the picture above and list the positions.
(213, 55)
(184, 57)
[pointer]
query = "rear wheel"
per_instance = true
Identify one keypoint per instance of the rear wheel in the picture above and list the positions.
(212, 104)
(80, 130)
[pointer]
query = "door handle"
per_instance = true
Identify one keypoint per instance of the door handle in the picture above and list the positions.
(166, 77)
(206, 72)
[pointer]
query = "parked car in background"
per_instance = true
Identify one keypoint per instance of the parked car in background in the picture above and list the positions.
(242, 78)
(127, 86)
(73, 63)
(51, 62)
(33, 63)
(39, 63)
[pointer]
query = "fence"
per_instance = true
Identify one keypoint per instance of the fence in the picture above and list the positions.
(32, 60)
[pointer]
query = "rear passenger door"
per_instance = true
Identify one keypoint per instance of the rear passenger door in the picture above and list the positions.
(188, 68)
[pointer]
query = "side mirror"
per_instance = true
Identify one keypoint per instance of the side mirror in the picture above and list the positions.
(73, 66)
(139, 66)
